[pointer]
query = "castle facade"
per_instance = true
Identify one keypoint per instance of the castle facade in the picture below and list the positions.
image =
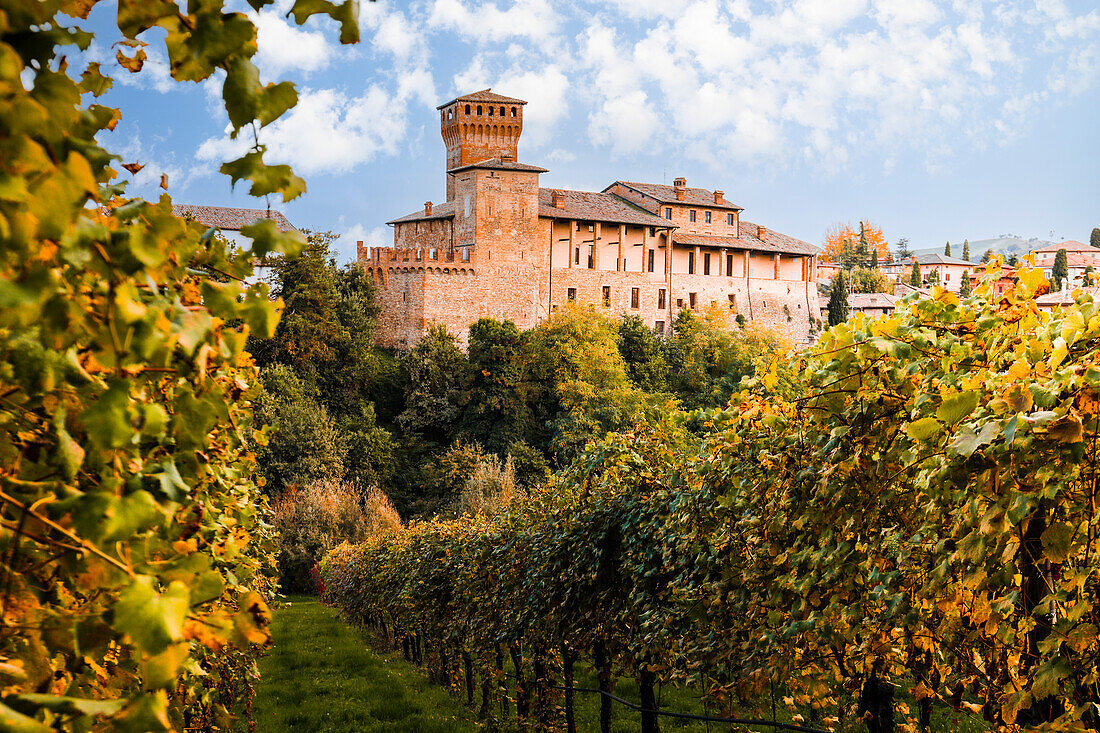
(501, 246)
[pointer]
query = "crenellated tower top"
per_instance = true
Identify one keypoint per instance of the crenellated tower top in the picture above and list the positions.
(478, 127)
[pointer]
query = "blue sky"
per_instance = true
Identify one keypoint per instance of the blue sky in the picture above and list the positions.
(936, 120)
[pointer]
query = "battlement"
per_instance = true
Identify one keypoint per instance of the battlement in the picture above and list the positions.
(381, 256)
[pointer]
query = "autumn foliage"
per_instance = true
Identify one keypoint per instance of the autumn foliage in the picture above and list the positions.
(843, 237)
(920, 512)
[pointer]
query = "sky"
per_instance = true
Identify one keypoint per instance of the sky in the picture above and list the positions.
(938, 121)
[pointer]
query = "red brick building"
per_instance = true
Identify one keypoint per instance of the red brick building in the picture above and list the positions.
(501, 246)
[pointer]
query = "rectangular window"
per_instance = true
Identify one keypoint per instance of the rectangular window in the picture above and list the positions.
(668, 213)
(634, 297)
(691, 215)
(651, 260)
(706, 217)
(571, 294)
(591, 251)
(577, 256)
(679, 302)
(653, 231)
(729, 265)
(607, 295)
(465, 254)
(733, 302)
(706, 263)
(691, 300)
(659, 326)
(729, 219)
(661, 299)
(691, 263)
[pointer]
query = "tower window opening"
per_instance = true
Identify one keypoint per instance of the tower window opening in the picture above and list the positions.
(467, 109)
(479, 109)
(501, 111)
(490, 111)
(513, 111)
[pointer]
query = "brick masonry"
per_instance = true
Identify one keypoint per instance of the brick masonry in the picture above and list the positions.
(493, 250)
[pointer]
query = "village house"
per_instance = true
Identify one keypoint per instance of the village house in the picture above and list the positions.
(229, 221)
(949, 270)
(501, 246)
(1080, 258)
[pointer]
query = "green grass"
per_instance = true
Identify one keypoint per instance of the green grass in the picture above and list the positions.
(321, 676)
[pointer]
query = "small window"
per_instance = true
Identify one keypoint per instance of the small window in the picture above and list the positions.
(571, 294)
(591, 251)
(947, 277)
(653, 231)
(577, 256)
(607, 295)
(501, 111)
(679, 302)
(479, 109)
(668, 213)
(706, 217)
(467, 109)
(513, 111)
(706, 263)
(691, 300)
(729, 265)
(651, 260)
(465, 254)
(661, 299)
(729, 219)
(659, 326)
(634, 297)
(733, 302)
(490, 111)
(691, 263)
(691, 215)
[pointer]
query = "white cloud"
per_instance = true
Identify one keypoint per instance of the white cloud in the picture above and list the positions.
(534, 20)
(379, 236)
(327, 132)
(626, 123)
(286, 47)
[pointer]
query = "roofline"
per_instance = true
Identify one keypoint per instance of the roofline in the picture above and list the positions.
(716, 205)
(479, 91)
(567, 217)
(411, 217)
(488, 165)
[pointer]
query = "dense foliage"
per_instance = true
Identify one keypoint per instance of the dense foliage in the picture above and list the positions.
(135, 552)
(919, 511)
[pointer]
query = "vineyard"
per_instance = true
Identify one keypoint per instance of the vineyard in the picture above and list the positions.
(916, 513)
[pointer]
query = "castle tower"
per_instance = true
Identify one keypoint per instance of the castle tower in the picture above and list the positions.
(480, 126)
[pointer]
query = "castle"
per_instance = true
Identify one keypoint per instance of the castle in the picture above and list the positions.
(502, 247)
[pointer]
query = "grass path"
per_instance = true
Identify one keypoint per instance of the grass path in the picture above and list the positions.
(322, 677)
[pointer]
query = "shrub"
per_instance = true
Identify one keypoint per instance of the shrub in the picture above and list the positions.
(490, 490)
(313, 520)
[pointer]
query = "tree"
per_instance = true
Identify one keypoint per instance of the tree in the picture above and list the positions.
(838, 300)
(1088, 275)
(947, 249)
(1059, 272)
(987, 256)
(643, 353)
(842, 243)
(1094, 238)
(869, 280)
(914, 274)
(902, 250)
(933, 278)
(494, 407)
(435, 370)
(966, 250)
(965, 287)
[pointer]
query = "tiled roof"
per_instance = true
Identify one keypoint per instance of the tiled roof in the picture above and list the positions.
(858, 301)
(223, 217)
(1083, 260)
(1064, 297)
(1070, 245)
(485, 95)
(938, 259)
(772, 242)
(667, 194)
(592, 206)
(446, 210)
(498, 164)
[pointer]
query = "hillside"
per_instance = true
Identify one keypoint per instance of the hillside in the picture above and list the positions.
(1004, 244)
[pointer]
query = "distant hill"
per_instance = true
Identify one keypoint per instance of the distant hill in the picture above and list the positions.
(1004, 244)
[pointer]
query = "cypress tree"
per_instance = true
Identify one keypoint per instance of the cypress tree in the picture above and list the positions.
(987, 256)
(865, 249)
(1094, 240)
(966, 250)
(838, 300)
(947, 249)
(914, 276)
(964, 289)
(1059, 273)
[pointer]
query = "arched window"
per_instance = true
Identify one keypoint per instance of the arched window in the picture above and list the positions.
(490, 111)
(467, 109)
(479, 109)
(501, 111)
(513, 111)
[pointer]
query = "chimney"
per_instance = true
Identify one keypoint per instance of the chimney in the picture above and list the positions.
(761, 232)
(679, 185)
(427, 208)
(719, 197)
(557, 199)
